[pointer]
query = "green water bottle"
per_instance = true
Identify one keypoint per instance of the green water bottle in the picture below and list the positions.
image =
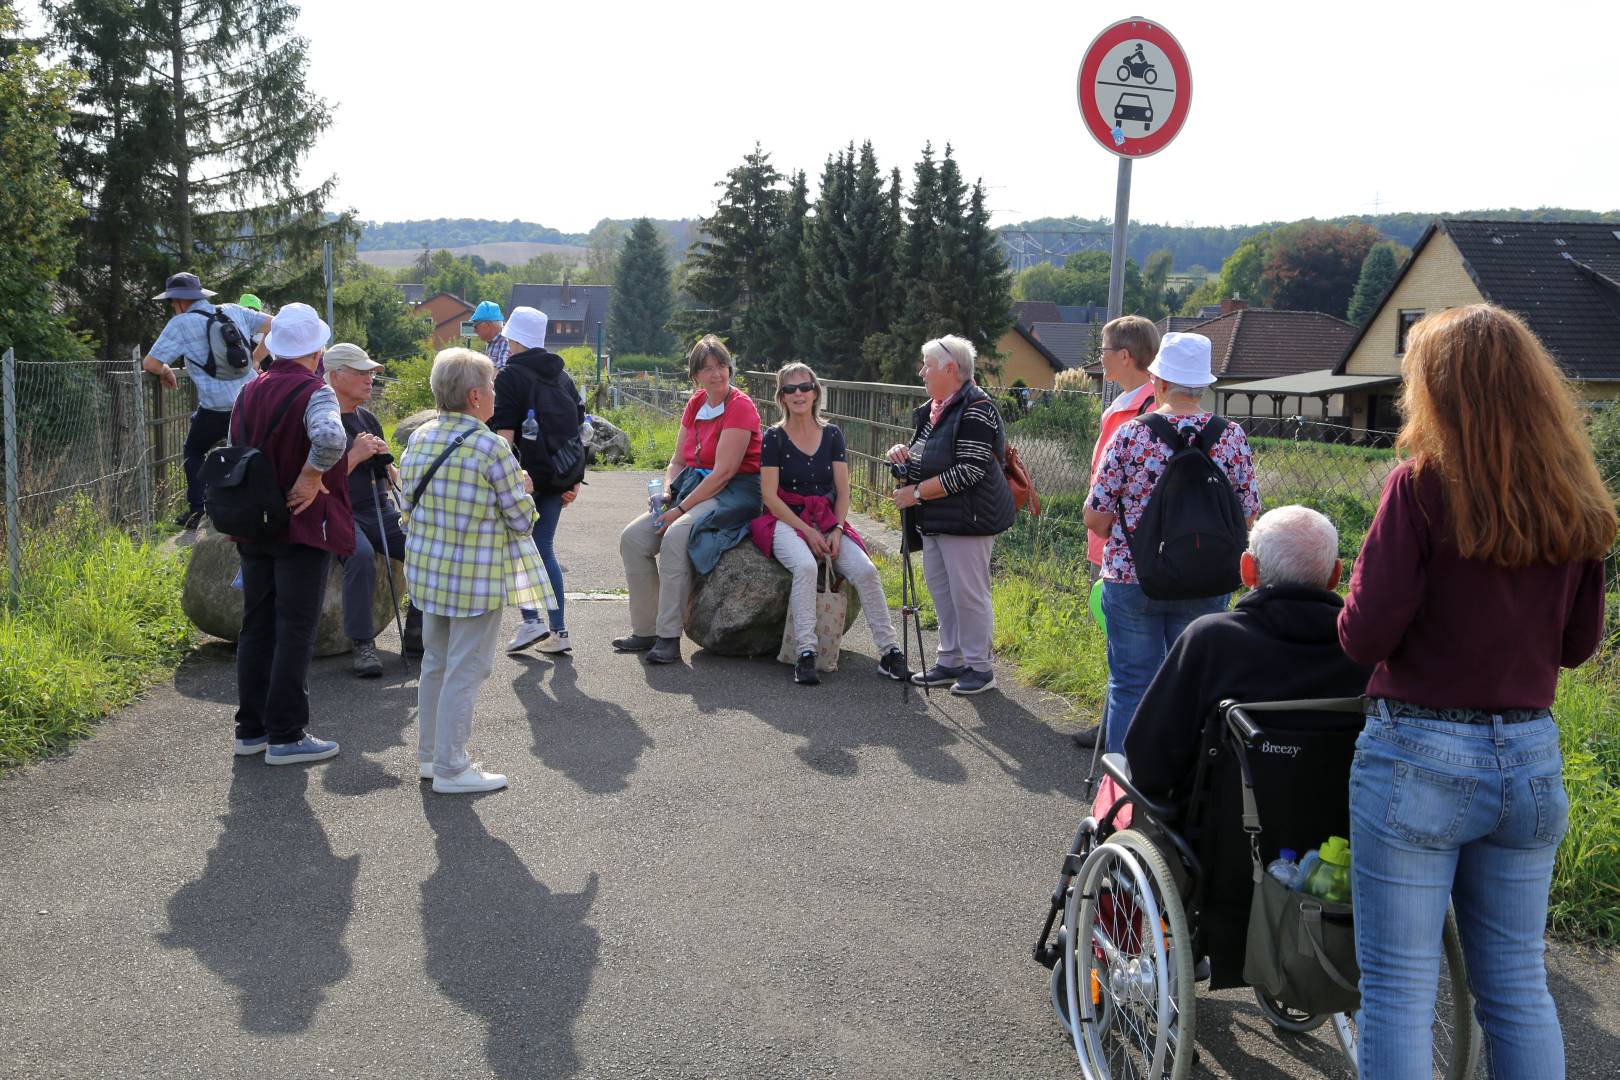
(1330, 878)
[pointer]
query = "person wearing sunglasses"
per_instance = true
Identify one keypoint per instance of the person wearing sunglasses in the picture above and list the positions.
(804, 481)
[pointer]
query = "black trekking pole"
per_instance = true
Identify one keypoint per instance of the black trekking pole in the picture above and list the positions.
(388, 565)
(909, 604)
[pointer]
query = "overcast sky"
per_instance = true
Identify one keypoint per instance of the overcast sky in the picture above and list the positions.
(565, 113)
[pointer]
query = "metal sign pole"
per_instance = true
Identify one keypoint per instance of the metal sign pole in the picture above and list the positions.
(138, 403)
(8, 386)
(327, 261)
(1116, 266)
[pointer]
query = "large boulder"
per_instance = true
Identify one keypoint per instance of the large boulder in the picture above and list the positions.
(214, 605)
(740, 607)
(407, 427)
(609, 445)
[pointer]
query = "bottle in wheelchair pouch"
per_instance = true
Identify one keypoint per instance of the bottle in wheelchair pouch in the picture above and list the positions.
(1301, 947)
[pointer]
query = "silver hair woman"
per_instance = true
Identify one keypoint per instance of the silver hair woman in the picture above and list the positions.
(955, 498)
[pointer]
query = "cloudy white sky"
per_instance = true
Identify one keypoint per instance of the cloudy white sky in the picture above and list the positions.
(564, 113)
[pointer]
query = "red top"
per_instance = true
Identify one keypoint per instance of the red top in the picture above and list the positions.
(1448, 632)
(700, 438)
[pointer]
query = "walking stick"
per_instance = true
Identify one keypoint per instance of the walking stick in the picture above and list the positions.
(909, 605)
(388, 565)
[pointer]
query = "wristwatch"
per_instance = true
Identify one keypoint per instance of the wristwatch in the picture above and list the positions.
(916, 492)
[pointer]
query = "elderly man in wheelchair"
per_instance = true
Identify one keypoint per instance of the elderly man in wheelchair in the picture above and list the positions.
(1240, 748)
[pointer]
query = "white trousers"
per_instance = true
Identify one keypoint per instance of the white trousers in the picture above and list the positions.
(792, 552)
(459, 655)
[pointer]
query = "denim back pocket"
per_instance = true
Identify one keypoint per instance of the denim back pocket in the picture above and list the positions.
(1427, 807)
(1552, 808)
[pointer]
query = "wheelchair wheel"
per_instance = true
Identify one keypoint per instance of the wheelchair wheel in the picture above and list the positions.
(1283, 1018)
(1457, 1037)
(1128, 966)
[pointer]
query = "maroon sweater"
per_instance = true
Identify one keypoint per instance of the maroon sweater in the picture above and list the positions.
(1449, 632)
(327, 523)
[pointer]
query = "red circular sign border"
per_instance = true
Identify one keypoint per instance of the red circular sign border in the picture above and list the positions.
(1086, 81)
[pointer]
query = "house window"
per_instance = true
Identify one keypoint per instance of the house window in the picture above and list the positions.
(1407, 319)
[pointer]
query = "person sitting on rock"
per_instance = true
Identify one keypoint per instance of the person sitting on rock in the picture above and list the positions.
(349, 371)
(804, 481)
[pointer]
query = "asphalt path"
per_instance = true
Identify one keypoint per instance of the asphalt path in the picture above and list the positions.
(699, 871)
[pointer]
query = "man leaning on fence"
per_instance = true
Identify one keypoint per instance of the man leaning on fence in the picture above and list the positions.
(284, 576)
(188, 338)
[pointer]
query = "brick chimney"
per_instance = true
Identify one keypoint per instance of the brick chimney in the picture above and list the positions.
(568, 289)
(1233, 304)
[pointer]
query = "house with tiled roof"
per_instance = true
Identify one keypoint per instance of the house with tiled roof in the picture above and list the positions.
(1248, 345)
(444, 313)
(413, 293)
(572, 311)
(1561, 277)
(1045, 338)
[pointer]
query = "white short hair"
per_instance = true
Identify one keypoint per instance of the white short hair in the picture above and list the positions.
(1294, 545)
(951, 349)
(457, 371)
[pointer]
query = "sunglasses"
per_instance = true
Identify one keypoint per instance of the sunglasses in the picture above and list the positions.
(799, 388)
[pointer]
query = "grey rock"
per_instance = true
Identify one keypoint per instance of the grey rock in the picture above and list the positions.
(739, 607)
(609, 445)
(214, 606)
(407, 427)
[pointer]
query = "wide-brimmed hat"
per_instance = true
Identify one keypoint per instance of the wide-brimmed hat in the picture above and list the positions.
(1183, 360)
(526, 326)
(184, 287)
(487, 311)
(297, 331)
(348, 355)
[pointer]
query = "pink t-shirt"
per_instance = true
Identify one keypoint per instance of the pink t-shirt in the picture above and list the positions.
(1127, 406)
(700, 438)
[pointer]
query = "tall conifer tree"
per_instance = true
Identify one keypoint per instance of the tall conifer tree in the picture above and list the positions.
(642, 298)
(775, 322)
(730, 265)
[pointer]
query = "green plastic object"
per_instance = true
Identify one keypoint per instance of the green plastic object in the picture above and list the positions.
(1096, 605)
(248, 300)
(1331, 878)
(1336, 851)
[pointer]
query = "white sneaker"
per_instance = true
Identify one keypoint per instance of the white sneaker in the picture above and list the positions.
(556, 642)
(528, 633)
(472, 778)
(424, 769)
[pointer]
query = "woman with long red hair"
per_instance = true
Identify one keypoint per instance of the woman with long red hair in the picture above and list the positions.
(1481, 576)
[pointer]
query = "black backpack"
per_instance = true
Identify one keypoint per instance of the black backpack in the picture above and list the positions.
(555, 461)
(228, 354)
(242, 495)
(1187, 543)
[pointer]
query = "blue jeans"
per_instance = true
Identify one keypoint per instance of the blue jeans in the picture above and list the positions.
(1140, 633)
(1470, 813)
(545, 534)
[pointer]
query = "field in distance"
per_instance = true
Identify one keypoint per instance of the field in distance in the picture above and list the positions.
(512, 253)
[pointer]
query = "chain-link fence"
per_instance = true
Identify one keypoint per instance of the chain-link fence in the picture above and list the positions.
(88, 432)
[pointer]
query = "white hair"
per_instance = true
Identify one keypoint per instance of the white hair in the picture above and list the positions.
(950, 349)
(1294, 545)
(456, 372)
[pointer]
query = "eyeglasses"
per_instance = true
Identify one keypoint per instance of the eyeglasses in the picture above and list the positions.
(799, 388)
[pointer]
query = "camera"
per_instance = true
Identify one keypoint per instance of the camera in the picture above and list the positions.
(897, 469)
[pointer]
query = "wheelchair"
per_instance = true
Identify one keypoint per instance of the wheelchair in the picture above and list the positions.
(1136, 905)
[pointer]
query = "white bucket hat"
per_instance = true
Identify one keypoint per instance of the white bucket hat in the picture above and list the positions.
(526, 326)
(297, 331)
(1183, 360)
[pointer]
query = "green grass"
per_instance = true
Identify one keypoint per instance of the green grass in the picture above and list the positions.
(1585, 898)
(652, 437)
(98, 619)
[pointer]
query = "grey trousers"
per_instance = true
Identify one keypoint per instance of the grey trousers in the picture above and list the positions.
(658, 573)
(957, 570)
(460, 653)
(360, 569)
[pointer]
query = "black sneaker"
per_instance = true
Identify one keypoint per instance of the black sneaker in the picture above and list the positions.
(634, 642)
(804, 672)
(893, 665)
(367, 664)
(666, 651)
(189, 519)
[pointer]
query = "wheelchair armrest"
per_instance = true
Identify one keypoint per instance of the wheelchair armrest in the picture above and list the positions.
(1119, 770)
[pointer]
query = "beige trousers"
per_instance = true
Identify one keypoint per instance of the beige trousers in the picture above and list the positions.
(658, 573)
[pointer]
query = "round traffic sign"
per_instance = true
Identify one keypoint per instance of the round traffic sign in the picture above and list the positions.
(1135, 88)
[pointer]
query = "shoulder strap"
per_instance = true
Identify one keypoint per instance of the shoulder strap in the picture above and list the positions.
(1147, 403)
(421, 485)
(1162, 429)
(275, 417)
(1212, 432)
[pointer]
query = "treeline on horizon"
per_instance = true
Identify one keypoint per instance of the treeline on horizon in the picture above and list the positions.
(1191, 246)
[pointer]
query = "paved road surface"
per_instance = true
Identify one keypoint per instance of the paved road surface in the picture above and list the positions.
(699, 871)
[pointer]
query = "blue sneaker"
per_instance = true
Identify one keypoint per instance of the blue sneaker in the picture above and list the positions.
(309, 748)
(244, 747)
(973, 681)
(938, 675)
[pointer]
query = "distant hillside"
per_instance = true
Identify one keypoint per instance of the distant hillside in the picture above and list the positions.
(461, 235)
(1209, 245)
(512, 253)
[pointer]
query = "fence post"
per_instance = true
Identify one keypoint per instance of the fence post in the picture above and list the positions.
(8, 386)
(138, 402)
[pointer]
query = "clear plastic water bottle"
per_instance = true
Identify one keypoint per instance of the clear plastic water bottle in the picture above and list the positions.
(236, 582)
(1285, 869)
(586, 431)
(531, 427)
(1330, 878)
(655, 499)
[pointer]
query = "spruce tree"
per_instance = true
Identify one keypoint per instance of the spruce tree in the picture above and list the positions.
(989, 283)
(828, 336)
(775, 322)
(642, 297)
(729, 267)
(1378, 272)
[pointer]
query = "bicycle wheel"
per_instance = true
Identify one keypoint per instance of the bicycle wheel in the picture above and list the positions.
(1129, 967)
(1457, 1037)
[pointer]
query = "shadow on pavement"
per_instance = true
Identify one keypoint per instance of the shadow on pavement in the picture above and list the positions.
(1229, 1028)
(1036, 756)
(594, 743)
(373, 719)
(503, 946)
(1591, 1039)
(268, 912)
(208, 673)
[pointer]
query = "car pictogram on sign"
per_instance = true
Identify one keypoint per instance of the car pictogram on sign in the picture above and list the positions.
(1138, 107)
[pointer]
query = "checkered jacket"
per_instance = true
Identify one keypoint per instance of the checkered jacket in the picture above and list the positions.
(468, 545)
(498, 351)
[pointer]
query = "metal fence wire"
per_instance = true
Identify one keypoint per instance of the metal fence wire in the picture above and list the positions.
(93, 434)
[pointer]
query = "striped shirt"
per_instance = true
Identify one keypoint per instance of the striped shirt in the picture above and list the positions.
(468, 544)
(185, 337)
(975, 448)
(498, 350)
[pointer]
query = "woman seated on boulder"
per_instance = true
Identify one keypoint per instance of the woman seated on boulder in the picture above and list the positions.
(711, 493)
(804, 481)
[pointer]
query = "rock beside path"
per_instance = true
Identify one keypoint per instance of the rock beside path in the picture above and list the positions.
(609, 444)
(740, 607)
(407, 427)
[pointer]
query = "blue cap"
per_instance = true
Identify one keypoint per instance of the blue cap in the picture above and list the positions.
(488, 311)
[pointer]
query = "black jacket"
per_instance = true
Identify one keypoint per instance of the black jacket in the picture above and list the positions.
(517, 390)
(984, 509)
